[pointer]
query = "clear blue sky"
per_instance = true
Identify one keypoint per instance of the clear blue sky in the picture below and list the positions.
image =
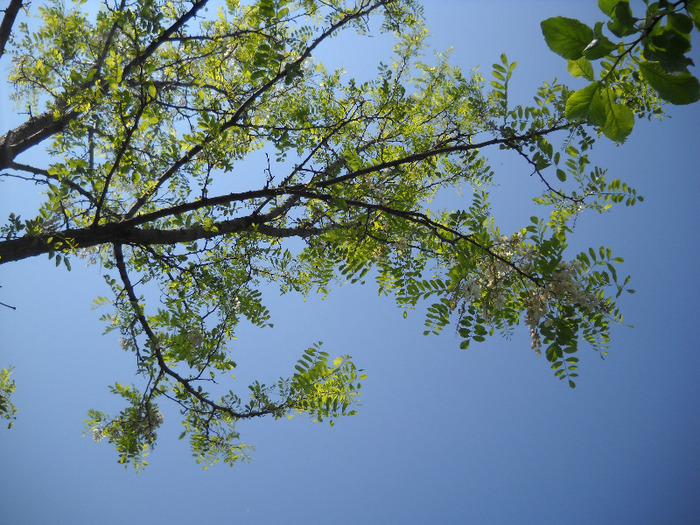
(485, 436)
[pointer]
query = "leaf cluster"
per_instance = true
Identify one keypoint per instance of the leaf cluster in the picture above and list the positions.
(642, 63)
(206, 160)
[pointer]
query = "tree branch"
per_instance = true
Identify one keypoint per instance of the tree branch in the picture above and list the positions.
(164, 368)
(33, 131)
(7, 22)
(195, 150)
(44, 173)
(36, 129)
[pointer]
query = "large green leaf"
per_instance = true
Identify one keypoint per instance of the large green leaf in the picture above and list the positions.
(622, 20)
(619, 119)
(567, 37)
(680, 22)
(586, 104)
(682, 88)
(672, 63)
(596, 104)
(672, 41)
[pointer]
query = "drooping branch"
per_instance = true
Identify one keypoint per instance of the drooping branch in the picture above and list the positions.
(162, 365)
(440, 230)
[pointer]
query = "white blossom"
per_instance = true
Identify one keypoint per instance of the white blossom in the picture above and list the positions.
(195, 336)
(565, 285)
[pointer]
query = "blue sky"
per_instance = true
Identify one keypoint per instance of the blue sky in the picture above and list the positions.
(484, 436)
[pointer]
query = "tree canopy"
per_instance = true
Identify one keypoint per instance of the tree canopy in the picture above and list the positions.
(139, 117)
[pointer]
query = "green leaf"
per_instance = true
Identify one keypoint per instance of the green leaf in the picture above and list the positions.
(567, 37)
(672, 41)
(682, 88)
(680, 22)
(607, 6)
(339, 203)
(586, 104)
(597, 106)
(623, 21)
(581, 68)
(619, 119)
(672, 63)
(693, 9)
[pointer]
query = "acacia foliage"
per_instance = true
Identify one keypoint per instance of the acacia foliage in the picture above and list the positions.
(146, 112)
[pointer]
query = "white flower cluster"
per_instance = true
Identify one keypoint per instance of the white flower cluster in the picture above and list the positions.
(158, 420)
(97, 434)
(495, 277)
(148, 426)
(565, 285)
(195, 337)
(234, 302)
(495, 281)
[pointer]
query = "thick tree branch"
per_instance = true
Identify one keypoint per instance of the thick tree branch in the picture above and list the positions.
(128, 233)
(7, 22)
(33, 131)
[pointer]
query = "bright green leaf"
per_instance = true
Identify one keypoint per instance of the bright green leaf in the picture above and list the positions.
(623, 21)
(680, 22)
(619, 119)
(607, 6)
(566, 36)
(581, 68)
(586, 104)
(693, 9)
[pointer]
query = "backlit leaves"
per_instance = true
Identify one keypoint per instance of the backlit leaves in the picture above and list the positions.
(680, 88)
(206, 160)
(567, 37)
(651, 63)
(7, 387)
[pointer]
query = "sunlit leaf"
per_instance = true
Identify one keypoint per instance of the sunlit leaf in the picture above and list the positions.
(566, 36)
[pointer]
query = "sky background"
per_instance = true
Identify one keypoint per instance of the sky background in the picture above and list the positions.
(484, 436)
